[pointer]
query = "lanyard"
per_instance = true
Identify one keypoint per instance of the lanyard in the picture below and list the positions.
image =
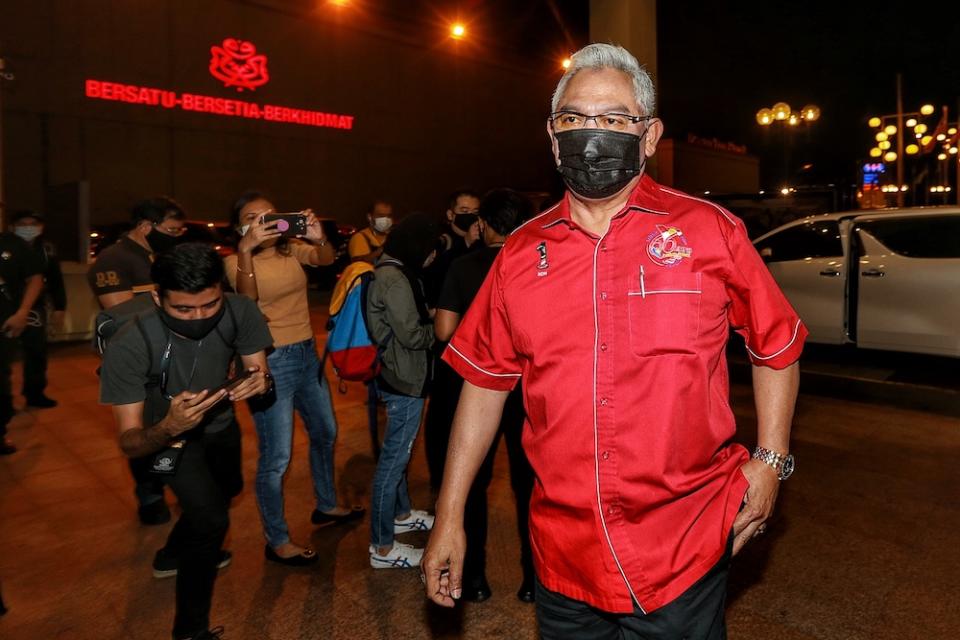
(165, 368)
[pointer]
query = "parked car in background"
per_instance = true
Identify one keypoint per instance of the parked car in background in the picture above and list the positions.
(886, 279)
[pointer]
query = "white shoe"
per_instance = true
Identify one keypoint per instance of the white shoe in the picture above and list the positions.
(418, 520)
(401, 556)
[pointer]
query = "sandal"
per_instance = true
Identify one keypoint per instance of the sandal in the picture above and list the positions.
(322, 519)
(302, 559)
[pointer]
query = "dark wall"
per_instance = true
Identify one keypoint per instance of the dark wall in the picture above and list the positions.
(428, 118)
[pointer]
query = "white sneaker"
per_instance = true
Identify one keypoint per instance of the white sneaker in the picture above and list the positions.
(418, 520)
(401, 556)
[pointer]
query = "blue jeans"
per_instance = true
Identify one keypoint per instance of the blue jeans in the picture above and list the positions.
(297, 385)
(390, 497)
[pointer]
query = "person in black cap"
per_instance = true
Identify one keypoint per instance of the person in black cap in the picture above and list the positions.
(400, 324)
(28, 225)
(21, 283)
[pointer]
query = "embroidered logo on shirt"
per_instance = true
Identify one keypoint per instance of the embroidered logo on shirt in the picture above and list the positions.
(543, 265)
(667, 246)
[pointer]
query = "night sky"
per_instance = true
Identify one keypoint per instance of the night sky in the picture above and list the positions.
(719, 62)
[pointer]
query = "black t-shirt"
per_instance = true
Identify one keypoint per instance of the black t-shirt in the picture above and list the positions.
(464, 279)
(123, 266)
(436, 273)
(17, 263)
(195, 365)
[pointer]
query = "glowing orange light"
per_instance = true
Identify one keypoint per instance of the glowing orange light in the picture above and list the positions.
(458, 31)
(566, 63)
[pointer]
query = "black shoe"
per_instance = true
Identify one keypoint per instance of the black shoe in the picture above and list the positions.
(6, 447)
(322, 519)
(210, 634)
(302, 559)
(165, 566)
(41, 402)
(154, 513)
(476, 590)
(526, 592)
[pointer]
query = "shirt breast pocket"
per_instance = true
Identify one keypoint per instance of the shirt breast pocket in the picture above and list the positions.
(664, 312)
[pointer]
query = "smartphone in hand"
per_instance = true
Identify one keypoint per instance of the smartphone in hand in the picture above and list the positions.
(232, 383)
(290, 225)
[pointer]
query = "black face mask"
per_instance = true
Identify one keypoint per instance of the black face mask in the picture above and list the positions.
(464, 221)
(193, 329)
(597, 163)
(160, 241)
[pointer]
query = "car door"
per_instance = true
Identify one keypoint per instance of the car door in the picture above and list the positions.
(909, 284)
(807, 261)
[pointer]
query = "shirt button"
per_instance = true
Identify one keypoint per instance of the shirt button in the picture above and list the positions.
(603, 346)
(603, 247)
(611, 510)
(603, 402)
(603, 295)
(606, 455)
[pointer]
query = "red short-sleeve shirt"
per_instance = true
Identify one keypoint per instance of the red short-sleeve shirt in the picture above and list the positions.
(620, 343)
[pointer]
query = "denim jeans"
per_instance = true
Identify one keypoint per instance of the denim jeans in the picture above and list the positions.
(297, 385)
(389, 497)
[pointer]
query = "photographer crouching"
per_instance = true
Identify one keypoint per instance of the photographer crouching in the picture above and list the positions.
(166, 373)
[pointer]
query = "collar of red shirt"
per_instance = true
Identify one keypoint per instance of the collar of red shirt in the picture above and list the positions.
(644, 197)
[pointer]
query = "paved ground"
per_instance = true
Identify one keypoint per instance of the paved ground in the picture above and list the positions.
(865, 544)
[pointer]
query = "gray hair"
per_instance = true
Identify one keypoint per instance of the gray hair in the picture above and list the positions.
(609, 56)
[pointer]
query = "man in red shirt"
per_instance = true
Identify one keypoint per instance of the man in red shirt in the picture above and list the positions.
(614, 307)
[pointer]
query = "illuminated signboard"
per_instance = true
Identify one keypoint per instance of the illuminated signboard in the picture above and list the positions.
(872, 171)
(237, 64)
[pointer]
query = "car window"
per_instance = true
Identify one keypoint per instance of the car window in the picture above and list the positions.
(819, 239)
(918, 237)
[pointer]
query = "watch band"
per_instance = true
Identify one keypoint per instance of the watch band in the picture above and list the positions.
(782, 463)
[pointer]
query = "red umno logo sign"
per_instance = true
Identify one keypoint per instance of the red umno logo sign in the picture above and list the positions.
(237, 64)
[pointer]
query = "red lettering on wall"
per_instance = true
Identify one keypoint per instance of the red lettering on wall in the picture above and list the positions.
(154, 97)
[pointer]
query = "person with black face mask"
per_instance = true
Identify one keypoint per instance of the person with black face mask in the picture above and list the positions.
(614, 307)
(122, 271)
(162, 373)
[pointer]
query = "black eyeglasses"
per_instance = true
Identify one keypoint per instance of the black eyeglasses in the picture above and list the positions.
(566, 120)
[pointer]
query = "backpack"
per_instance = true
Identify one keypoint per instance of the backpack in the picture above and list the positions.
(141, 310)
(353, 353)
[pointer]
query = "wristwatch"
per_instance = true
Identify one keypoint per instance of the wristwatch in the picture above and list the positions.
(782, 463)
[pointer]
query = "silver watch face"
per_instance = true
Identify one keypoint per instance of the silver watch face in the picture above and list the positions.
(786, 469)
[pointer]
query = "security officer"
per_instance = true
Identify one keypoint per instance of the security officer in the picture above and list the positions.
(28, 225)
(21, 282)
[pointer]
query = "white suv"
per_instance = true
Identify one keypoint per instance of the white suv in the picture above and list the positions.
(887, 279)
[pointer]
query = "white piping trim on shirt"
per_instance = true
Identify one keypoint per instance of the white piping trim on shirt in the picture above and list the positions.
(596, 443)
(689, 197)
(481, 369)
(648, 292)
(796, 331)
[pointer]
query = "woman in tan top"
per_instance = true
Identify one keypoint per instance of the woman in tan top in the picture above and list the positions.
(269, 269)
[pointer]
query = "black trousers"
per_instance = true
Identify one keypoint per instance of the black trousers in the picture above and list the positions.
(444, 396)
(697, 614)
(208, 476)
(33, 345)
(521, 481)
(6, 396)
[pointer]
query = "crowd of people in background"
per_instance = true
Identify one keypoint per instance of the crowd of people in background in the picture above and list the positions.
(184, 334)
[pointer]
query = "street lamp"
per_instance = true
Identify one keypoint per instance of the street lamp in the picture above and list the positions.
(912, 137)
(781, 112)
